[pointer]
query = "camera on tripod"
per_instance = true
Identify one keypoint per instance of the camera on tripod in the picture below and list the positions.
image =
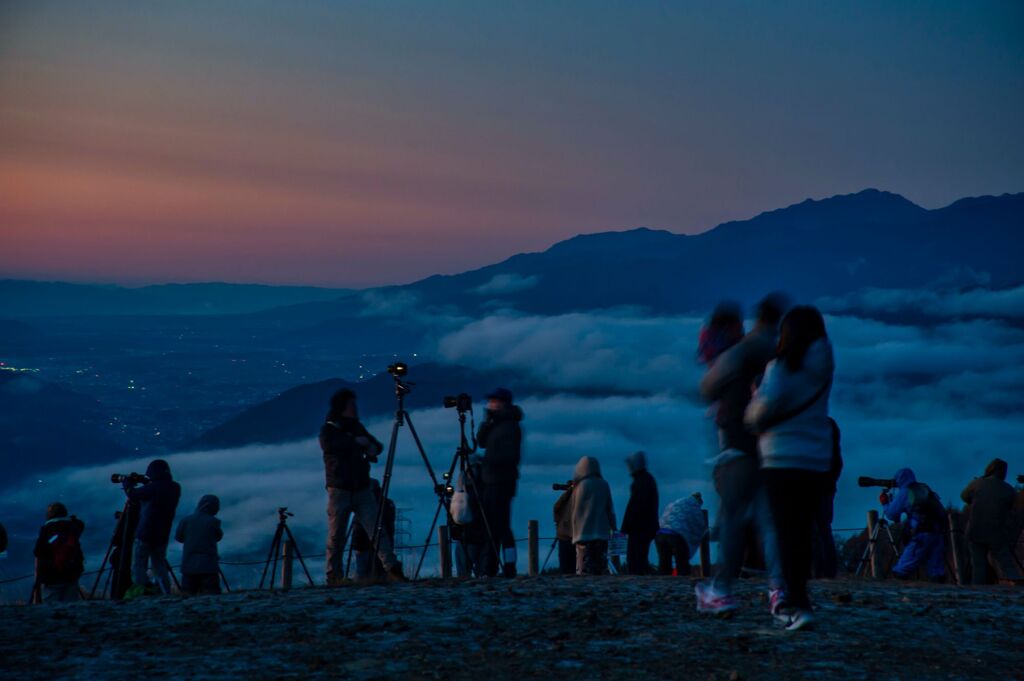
(131, 479)
(865, 481)
(461, 402)
(563, 487)
(398, 369)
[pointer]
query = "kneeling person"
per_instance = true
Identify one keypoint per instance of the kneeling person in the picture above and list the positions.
(925, 519)
(200, 562)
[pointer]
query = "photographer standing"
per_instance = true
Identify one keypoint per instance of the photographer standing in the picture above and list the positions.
(348, 450)
(926, 520)
(593, 517)
(640, 521)
(502, 438)
(158, 499)
(990, 523)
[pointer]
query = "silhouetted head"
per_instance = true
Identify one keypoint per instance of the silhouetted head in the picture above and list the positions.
(587, 467)
(636, 462)
(499, 398)
(158, 469)
(343, 404)
(801, 327)
(996, 468)
(56, 510)
(723, 330)
(904, 477)
(771, 308)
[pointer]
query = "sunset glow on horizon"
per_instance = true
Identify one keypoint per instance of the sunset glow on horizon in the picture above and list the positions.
(381, 143)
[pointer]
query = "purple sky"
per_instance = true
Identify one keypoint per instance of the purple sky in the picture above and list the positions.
(353, 145)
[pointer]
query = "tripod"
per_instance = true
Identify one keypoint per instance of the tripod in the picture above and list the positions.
(444, 492)
(119, 578)
(869, 550)
(402, 417)
(275, 548)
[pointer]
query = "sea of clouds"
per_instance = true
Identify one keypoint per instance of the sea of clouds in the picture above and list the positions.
(943, 397)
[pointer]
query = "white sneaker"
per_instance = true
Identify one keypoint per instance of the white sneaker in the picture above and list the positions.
(713, 602)
(800, 619)
(777, 604)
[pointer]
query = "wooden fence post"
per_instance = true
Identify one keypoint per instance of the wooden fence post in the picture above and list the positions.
(286, 565)
(873, 542)
(705, 548)
(954, 545)
(533, 548)
(446, 551)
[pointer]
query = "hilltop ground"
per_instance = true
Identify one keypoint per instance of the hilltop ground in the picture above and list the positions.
(558, 627)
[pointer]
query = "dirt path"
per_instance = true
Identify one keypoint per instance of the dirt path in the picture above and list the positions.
(565, 628)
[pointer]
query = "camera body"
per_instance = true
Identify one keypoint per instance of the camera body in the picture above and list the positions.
(563, 487)
(398, 369)
(886, 483)
(461, 402)
(130, 479)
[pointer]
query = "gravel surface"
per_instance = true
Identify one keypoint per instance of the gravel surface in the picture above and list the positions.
(553, 627)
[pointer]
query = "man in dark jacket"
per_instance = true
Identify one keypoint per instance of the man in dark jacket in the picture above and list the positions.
(501, 437)
(348, 449)
(58, 552)
(989, 523)
(200, 562)
(158, 501)
(640, 521)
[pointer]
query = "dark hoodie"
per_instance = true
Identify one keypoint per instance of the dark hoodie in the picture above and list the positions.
(200, 533)
(991, 505)
(922, 506)
(502, 438)
(641, 516)
(159, 501)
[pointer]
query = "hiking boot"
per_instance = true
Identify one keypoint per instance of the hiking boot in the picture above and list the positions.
(335, 578)
(508, 570)
(801, 619)
(713, 602)
(395, 574)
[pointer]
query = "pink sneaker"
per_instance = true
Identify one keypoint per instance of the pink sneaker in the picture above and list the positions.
(777, 604)
(712, 602)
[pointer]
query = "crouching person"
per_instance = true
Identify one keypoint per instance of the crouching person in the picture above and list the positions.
(926, 520)
(59, 559)
(593, 517)
(682, 529)
(200, 562)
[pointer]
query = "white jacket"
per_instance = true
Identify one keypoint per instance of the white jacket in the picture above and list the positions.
(802, 441)
(593, 517)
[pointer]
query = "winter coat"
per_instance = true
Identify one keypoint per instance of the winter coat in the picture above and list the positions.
(200, 533)
(729, 382)
(502, 438)
(991, 501)
(346, 460)
(593, 517)
(914, 498)
(685, 518)
(52, 528)
(795, 440)
(158, 501)
(641, 516)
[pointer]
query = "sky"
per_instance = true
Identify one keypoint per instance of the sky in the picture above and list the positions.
(343, 144)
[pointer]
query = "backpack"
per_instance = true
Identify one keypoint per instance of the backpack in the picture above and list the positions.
(926, 505)
(64, 561)
(460, 507)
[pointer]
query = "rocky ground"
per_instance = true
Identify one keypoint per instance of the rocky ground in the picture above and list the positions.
(557, 627)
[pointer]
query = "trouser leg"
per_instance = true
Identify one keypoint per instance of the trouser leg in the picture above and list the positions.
(364, 504)
(979, 563)
(1003, 561)
(158, 563)
(637, 550)
(736, 485)
(140, 564)
(682, 555)
(793, 497)
(936, 561)
(595, 558)
(566, 557)
(663, 546)
(496, 503)
(338, 509)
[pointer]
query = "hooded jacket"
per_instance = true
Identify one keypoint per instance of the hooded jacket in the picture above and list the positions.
(991, 505)
(593, 516)
(501, 436)
(914, 499)
(790, 412)
(200, 533)
(685, 518)
(641, 516)
(159, 502)
(729, 381)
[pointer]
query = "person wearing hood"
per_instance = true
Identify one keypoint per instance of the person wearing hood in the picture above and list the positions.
(501, 436)
(200, 562)
(682, 529)
(593, 517)
(790, 413)
(727, 383)
(158, 502)
(989, 525)
(58, 553)
(348, 450)
(926, 519)
(640, 521)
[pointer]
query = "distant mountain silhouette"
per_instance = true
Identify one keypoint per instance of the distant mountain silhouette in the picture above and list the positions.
(44, 426)
(20, 298)
(299, 412)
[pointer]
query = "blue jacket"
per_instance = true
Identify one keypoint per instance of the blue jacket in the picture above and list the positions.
(159, 502)
(910, 498)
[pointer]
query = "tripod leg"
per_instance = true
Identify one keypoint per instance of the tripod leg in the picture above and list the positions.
(298, 554)
(426, 544)
(274, 548)
(103, 567)
(227, 587)
(348, 543)
(550, 551)
(170, 571)
(385, 483)
(419, 446)
(483, 515)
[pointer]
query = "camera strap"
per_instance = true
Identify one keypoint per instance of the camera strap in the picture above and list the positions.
(793, 413)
